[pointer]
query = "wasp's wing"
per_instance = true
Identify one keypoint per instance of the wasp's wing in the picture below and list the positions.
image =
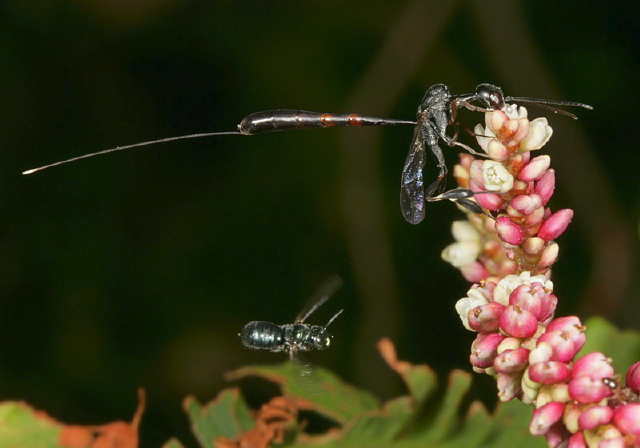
(324, 293)
(411, 185)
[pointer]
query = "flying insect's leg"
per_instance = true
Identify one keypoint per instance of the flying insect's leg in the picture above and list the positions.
(431, 140)
(463, 197)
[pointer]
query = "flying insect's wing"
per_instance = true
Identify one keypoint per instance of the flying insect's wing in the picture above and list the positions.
(322, 294)
(411, 185)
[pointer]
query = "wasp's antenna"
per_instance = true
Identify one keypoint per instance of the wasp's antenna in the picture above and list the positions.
(549, 104)
(333, 318)
(135, 145)
(324, 293)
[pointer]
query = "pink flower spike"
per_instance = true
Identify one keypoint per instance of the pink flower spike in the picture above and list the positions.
(632, 378)
(627, 419)
(594, 417)
(535, 169)
(509, 231)
(545, 416)
(556, 224)
(518, 322)
(550, 372)
(546, 186)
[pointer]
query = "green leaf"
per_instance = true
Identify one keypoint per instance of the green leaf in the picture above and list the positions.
(621, 346)
(326, 393)
(21, 426)
(173, 443)
(226, 416)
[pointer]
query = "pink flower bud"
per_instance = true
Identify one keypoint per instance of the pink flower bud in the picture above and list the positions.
(539, 134)
(526, 203)
(595, 365)
(485, 348)
(556, 224)
(484, 318)
(517, 322)
(549, 255)
(530, 297)
(564, 348)
(577, 441)
(489, 201)
(571, 328)
(534, 220)
(496, 150)
(475, 173)
(535, 169)
(541, 353)
(474, 272)
(509, 385)
(585, 389)
(632, 378)
(509, 344)
(560, 392)
(548, 305)
(627, 419)
(569, 324)
(496, 120)
(550, 372)
(612, 442)
(595, 416)
(509, 231)
(511, 361)
(546, 186)
(533, 245)
(522, 130)
(557, 436)
(572, 413)
(545, 416)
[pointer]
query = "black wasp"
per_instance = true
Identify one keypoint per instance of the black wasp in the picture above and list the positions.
(436, 112)
(298, 336)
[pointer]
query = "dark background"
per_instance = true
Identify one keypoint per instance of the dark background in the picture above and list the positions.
(139, 268)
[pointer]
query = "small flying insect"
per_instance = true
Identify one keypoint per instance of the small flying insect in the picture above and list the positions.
(437, 111)
(298, 336)
(620, 394)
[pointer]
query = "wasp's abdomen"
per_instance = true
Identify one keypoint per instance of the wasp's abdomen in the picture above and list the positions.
(261, 335)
